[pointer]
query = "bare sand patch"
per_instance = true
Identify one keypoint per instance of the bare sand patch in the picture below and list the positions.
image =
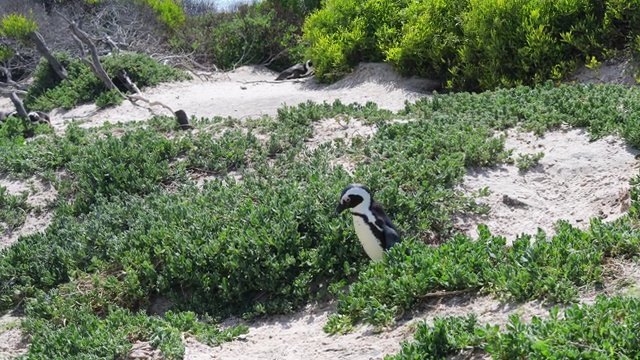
(576, 180)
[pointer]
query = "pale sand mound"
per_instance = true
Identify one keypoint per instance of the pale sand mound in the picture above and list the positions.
(576, 180)
(12, 343)
(251, 91)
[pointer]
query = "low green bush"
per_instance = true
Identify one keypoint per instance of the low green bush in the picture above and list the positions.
(82, 86)
(260, 235)
(83, 317)
(601, 330)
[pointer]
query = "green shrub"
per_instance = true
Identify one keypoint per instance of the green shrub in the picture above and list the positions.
(82, 86)
(13, 209)
(470, 44)
(429, 42)
(254, 34)
(345, 32)
(82, 318)
(601, 330)
(169, 13)
(17, 26)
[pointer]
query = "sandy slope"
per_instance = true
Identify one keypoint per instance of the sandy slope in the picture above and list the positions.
(575, 180)
(252, 91)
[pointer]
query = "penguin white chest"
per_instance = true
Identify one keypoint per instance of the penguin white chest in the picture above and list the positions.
(369, 242)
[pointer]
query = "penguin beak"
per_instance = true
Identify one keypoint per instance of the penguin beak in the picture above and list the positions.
(340, 208)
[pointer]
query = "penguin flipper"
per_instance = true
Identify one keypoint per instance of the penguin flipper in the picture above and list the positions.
(391, 237)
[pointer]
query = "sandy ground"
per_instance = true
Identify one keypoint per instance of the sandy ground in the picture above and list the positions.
(40, 196)
(251, 91)
(575, 180)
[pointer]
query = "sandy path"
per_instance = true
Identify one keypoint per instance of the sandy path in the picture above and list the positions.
(250, 91)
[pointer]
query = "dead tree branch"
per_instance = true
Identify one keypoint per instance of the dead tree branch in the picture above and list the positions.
(22, 112)
(44, 51)
(94, 63)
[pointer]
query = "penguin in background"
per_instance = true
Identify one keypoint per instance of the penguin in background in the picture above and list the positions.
(297, 71)
(39, 117)
(5, 115)
(375, 230)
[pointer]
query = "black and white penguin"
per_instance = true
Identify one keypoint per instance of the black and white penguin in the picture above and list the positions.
(39, 117)
(5, 115)
(297, 71)
(375, 230)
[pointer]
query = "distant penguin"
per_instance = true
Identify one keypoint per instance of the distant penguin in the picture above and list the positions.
(5, 115)
(375, 230)
(297, 71)
(39, 117)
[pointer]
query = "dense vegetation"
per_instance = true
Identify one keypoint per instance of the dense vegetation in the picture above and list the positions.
(465, 44)
(131, 228)
(472, 44)
(604, 330)
(82, 86)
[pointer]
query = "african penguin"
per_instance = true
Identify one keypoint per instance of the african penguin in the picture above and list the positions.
(5, 115)
(375, 230)
(297, 71)
(38, 117)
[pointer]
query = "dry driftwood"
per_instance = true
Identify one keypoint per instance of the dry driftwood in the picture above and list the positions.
(95, 65)
(22, 112)
(44, 51)
(126, 80)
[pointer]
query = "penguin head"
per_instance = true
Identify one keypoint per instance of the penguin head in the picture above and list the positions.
(355, 197)
(309, 64)
(34, 117)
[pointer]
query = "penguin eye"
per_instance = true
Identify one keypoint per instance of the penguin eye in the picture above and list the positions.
(347, 199)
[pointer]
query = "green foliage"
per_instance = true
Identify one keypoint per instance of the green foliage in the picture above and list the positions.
(550, 269)
(169, 13)
(109, 98)
(260, 235)
(6, 53)
(83, 318)
(82, 86)
(470, 44)
(13, 209)
(525, 162)
(345, 32)
(602, 330)
(255, 34)
(17, 26)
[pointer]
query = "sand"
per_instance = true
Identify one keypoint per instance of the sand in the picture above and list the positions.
(575, 180)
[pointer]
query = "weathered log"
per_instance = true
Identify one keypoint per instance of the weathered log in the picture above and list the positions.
(22, 112)
(44, 51)
(126, 80)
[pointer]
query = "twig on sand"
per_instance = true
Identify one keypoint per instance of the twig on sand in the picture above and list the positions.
(440, 294)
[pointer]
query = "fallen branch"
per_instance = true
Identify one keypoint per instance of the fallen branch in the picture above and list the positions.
(440, 294)
(22, 112)
(7, 91)
(94, 63)
(44, 51)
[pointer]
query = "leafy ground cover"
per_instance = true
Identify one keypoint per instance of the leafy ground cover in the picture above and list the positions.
(603, 330)
(82, 86)
(131, 228)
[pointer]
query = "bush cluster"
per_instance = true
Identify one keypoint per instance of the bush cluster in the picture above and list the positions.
(471, 44)
(601, 330)
(263, 32)
(261, 237)
(82, 86)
